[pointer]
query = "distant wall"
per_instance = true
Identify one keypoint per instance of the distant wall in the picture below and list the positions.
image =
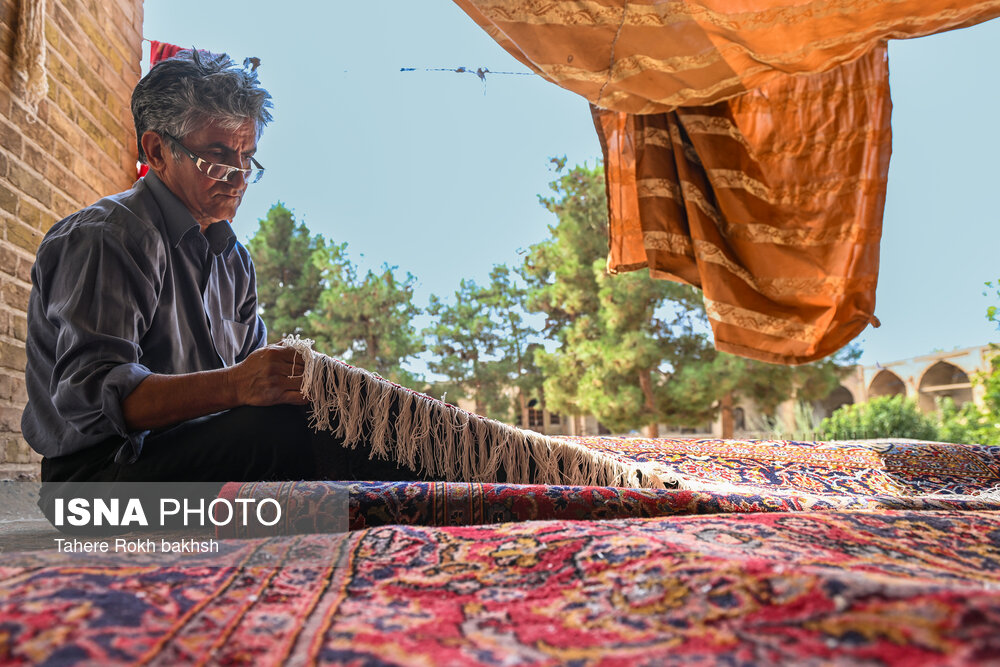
(79, 147)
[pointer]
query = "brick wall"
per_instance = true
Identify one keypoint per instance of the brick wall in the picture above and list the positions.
(79, 147)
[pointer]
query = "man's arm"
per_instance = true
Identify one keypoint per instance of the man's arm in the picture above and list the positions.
(269, 376)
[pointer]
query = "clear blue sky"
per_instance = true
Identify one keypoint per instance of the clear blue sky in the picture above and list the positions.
(438, 174)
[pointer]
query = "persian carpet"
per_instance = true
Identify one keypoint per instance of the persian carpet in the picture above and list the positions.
(807, 588)
(320, 507)
(886, 468)
(715, 476)
(443, 441)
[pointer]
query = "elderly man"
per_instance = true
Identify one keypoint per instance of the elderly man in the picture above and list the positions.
(146, 356)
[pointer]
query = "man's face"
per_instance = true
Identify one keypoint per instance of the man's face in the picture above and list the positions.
(208, 200)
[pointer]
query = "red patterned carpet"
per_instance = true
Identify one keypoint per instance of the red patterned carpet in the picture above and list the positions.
(809, 588)
(772, 553)
(718, 476)
(320, 507)
(902, 469)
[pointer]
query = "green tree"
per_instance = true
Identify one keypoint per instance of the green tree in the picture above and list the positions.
(506, 298)
(992, 314)
(620, 338)
(368, 320)
(991, 380)
(632, 350)
(309, 287)
(970, 423)
(481, 342)
(293, 267)
(730, 378)
(967, 424)
(560, 270)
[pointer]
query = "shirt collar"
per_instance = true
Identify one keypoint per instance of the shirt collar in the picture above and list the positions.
(179, 221)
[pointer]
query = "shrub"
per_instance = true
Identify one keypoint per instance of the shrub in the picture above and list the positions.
(966, 425)
(971, 424)
(882, 417)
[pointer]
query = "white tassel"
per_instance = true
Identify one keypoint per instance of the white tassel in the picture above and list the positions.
(439, 439)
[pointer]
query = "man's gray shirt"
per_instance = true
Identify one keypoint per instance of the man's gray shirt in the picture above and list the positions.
(122, 289)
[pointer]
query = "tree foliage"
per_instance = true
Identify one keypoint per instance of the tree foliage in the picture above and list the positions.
(971, 423)
(613, 336)
(992, 314)
(309, 287)
(967, 424)
(368, 321)
(519, 339)
(632, 350)
(881, 417)
(481, 343)
(293, 267)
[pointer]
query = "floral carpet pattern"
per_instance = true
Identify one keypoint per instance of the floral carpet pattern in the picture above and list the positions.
(807, 588)
(319, 507)
(769, 553)
(721, 476)
(855, 468)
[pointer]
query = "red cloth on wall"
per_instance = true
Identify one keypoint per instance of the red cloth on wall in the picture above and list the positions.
(158, 51)
(161, 51)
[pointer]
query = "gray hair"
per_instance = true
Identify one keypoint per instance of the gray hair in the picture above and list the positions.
(194, 87)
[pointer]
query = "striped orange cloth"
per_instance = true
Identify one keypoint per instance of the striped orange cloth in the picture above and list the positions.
(746, 146)
(770, 202)
(161, 51)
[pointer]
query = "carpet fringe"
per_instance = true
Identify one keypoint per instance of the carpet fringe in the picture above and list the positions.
(442, 440)
(681, 482)
(991, 495)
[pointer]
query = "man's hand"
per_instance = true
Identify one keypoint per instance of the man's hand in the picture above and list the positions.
(269, 376)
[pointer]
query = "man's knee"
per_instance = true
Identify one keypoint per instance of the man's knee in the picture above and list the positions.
(239, 445)
(288, 423)
(278, 438)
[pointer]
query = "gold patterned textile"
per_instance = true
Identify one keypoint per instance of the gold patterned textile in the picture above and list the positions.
(746, 146)
(651, 56)
(779, 229)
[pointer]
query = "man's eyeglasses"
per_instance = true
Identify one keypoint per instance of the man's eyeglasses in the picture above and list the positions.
(220, 172)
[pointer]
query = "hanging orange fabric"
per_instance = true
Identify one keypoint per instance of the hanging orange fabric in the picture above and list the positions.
(746, 146)
(651, 56)
(779, 228)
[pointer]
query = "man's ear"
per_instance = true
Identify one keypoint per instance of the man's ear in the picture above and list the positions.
(155, 148)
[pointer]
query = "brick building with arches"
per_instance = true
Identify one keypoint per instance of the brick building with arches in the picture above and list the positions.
(924, 378)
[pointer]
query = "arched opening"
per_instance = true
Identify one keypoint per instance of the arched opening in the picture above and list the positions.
(886, 383)
(944, 379)
(837, 398)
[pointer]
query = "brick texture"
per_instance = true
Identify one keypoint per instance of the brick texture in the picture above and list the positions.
(77, 147)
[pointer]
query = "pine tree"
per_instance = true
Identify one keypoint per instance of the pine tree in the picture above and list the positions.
(484, 345)
(309, 287)
(368, 320)
(293, 266)
(635, 351)
(465, 340)
(518, 339)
